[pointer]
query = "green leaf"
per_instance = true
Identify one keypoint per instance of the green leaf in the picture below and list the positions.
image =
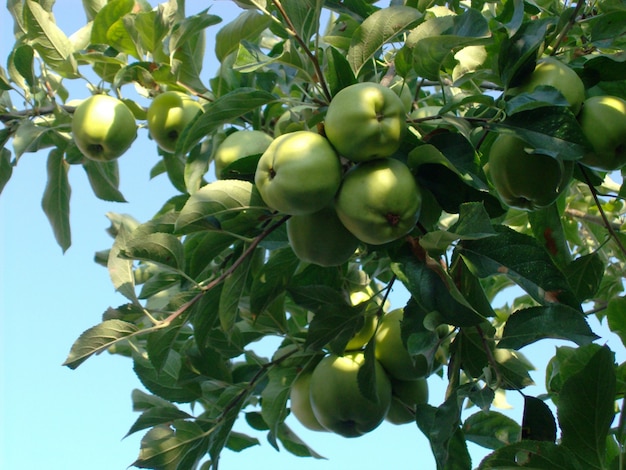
(223, 204)
(156, 416)
(548, 229)
(435, 40)
(224, 109)
(274, 398)
(97, 339)
(248, 25)
(21, 59)
(49, 40)
(272, 279)
(6, 168)
(538, 423)
(106, 17)
(238, 441)
(586, 409)
(616, 318)
(491, 429)
(533, 455)
(376, 30)
(56, 198)
(294, 444)
(531, 324)
(121, 269)
(523, 260)
(104, 179)
(165, 447)
(160, 248)
(232, 292)
(585, 274)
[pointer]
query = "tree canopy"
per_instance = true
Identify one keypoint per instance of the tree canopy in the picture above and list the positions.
(459, 151)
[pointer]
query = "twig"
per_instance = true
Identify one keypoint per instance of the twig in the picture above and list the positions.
(567, 27)
(594, 219)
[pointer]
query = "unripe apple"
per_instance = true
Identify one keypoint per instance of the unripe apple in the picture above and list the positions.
(168, 115)
(103, 128)
(239, 145)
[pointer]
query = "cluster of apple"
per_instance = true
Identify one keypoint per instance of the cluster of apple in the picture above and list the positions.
(529, 180)
(328, 398)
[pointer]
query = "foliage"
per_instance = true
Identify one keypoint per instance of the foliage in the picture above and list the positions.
(212, 272)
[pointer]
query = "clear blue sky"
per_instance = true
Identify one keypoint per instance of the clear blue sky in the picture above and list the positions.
(58, 419)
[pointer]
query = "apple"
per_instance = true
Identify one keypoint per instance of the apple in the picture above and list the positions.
(238, 145)
(552, 72)
(603, 121)
(406, 395)
(103, 128)
(168, 115)
(527, 181)
(379, 201)
(363, 336)
(337, 401)
(299, 397)
(299, 173)
(320, 238)
(365, 121)
(391, 352)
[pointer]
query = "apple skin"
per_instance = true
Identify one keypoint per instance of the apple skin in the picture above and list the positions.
(320, 238)
(552, 72)
(379, 201)
(365, 121)
(406, 395)
(391, 352)
(337, 401)
(238, 145)
(299, 396)
(603, 121)
(103, 128)
(524, 180)
(168, 114)
(363, 336)
(299, 173)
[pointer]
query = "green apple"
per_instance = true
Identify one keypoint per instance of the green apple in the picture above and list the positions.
(391, 352)
(103, 128)
(379, 201)
(363, 336)
(299, 397)
(168, 115)
(406, 395)
(603, 121)
(552, 72)
(320, 238)
(299, 173)
(365, 121)
(527, 181)
(239, 145)
(337, 401)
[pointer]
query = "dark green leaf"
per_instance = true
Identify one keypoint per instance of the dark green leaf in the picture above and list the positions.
(294, 444)
(586, 409)
(170, 382)
(56, 198)
(275, 395)
(272, 280)
(97, 339)
(531, 324)
(379, 28)
(6, 168)
(22, 59)
(532, 455)
(548, 230)
(104, 180)
(491, 429)
(615, 315)
(238, 441)
(523, 260)
(585, 274)
(538, 423)
(156, 416)
(232, 292)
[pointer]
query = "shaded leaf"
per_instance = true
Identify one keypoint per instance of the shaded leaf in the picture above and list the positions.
(6, 168)
(538, 423)
(160, 248)
(531, 324)
(615, 315)
(104, 179)
(491, 429)
(294, 444)
(97, 339)
(56, 198)
(535, 455)
(156, 416)
(585, 274)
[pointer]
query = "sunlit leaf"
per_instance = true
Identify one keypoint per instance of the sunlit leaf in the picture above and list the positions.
(249, 24)
(56, 198)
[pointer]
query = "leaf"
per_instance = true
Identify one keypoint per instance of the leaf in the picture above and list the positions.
(49, 40)
(106, 17)
(491, 429)
(97, 339)
(21, 59)
(104, 179)
(585, 275)
(294, 444)
(224, 109)
(529, 325)
(535, 455)
(56, 198)
(274, 398)
(523, 260)
(548, 229)
(586, 409)
(376, 30)
(616, 318)
(6, 168)
(156, 416)
(272, 279)
(160, 248)
(238, 441)
(232, 292)
(538, 423)
(223, 203)
(248, 25)
(166, 447)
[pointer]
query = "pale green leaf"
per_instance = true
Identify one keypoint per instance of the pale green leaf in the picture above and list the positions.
(56, 198)
(248, 25)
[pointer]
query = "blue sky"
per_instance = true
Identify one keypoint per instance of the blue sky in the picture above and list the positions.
(59, 419)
